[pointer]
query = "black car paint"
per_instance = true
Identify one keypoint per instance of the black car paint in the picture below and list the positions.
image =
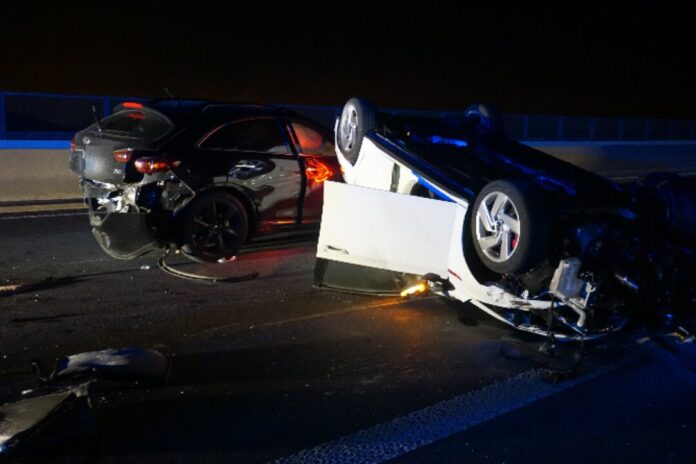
(273, 187)
(465, 167)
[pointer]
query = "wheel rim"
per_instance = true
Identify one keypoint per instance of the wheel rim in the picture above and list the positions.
(348, 128)
(497, 227)
(217, 229)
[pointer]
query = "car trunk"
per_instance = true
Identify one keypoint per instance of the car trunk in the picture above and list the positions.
(105, 152)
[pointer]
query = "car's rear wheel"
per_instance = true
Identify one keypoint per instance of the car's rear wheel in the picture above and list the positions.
(510, 227)
(214, 226)
(357, 118)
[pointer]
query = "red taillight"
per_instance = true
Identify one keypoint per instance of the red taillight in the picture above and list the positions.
(153, 165)
(137, 115)
(317, 171)
(123, 155)
(133, 105)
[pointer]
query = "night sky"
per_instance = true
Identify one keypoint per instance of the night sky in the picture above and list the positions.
(582, 60)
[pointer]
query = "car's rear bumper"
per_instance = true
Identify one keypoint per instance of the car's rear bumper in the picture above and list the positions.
(122, 234)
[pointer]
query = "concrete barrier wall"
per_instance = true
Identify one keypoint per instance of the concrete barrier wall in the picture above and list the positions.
(28, 176)
(36, 175)
(625, 160)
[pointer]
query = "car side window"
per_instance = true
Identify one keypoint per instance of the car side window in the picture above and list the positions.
(253, 135)
(311, 141)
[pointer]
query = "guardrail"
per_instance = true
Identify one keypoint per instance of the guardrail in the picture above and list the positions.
(35, 130)
(45, 116)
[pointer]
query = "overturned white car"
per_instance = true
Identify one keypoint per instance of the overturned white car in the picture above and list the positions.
(536, 242)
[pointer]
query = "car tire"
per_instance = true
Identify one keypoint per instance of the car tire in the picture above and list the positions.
(213, 227)
(487, 119)
(510, 227)
(358, 117)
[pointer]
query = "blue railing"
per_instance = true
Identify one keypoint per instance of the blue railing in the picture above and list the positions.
(46, 117)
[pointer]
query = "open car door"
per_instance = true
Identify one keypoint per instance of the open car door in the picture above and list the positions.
(365, 232)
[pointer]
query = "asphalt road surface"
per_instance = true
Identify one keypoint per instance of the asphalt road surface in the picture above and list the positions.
(273, 370)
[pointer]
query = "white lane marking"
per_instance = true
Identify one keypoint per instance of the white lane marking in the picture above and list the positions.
(407, 433)
(39, 216)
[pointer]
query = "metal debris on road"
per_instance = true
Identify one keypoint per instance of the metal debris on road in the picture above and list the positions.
(114, 364)
(32, 424)
(48, 283)
(210, 279)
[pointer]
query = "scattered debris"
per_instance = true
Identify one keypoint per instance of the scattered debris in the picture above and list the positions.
(50, 282)
(114, 364)
(10, 289)
(563, 363)
(33, 424)
(60, 409)
(186, 275)
(683, 335)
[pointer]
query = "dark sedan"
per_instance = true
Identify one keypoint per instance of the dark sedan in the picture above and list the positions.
(201, 177)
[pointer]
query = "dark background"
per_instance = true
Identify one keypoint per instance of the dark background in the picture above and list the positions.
(592, 60)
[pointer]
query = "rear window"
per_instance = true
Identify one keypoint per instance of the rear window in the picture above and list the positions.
(135, 123)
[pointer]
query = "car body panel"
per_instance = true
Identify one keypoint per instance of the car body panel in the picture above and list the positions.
(386, 230)
(273, 181)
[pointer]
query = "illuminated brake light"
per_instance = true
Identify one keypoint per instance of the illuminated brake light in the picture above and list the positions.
(317, 171)
(417, 289)
(133, 105)
(123, 155)
(136, 115)
(153, 165)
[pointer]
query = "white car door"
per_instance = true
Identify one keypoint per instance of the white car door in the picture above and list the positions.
(386, 230)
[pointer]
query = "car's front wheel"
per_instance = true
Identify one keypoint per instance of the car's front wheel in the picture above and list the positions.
(213, 227)
(510, 227)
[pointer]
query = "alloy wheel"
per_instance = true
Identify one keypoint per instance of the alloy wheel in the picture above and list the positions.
(497, 227)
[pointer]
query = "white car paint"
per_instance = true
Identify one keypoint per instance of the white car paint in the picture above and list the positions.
(385, 230)
(403, 233)
(374, 220)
